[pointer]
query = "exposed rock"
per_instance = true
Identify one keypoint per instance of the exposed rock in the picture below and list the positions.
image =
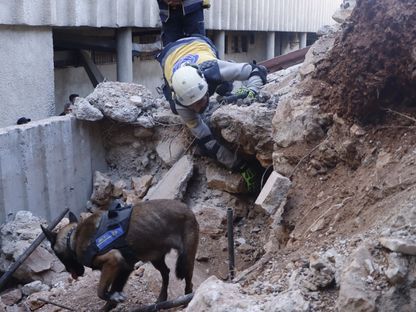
(354, 295)
(16, 237)
(118, 188)
(296, 120)
(397, 269)
(212, 220)
(130, 197)
(247, 127)
(222, 179)
(274, 193)
(102, 189)
(215, 295)
(11, 297)
(141, 185)
(34, 287)
(404, 246)
(317, 52)
(281, 164)
(83, 110)
(288, 301)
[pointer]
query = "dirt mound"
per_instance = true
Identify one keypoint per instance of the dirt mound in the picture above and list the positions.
(373, 64)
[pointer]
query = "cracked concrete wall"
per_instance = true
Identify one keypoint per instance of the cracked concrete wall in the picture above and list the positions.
(26, 73)
(48, 165)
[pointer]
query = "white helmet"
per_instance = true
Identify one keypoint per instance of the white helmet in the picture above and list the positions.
(189, 84)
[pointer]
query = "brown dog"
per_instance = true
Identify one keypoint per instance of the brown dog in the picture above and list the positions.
(155, 227)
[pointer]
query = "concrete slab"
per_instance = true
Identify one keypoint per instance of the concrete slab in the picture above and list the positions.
(174, 183)
(274, 193)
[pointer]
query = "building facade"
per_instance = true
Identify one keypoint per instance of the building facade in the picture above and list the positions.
(52, 48)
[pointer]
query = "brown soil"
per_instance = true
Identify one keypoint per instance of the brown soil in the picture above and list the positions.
(372, 65)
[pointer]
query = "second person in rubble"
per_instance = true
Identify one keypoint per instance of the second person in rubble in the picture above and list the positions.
(193, 72)
(181, 18)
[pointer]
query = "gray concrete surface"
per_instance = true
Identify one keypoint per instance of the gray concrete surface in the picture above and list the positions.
(26, 73)
(47, 165)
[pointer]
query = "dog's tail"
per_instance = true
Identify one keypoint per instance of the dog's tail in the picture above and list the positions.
(181, 264)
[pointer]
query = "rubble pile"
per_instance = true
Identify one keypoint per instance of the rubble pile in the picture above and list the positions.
(334, 227)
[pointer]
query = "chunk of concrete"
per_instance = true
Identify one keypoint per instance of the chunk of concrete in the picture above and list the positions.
(102, 189)
(216, 295)
(221, 179)
(175, 181)
(141, 185)
(170, 150)
(404, 246)
(354, 295)
(212, 220)
(83, 110)
(11, 297)
(274, 193)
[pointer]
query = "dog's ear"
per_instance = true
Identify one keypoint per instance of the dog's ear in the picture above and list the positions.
(72, 218)
(51, 236)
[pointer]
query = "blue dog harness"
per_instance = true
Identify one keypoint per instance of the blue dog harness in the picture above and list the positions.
(111, 234)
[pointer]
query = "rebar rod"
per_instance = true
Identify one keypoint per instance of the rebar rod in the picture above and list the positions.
(4, 278)
(230, 234)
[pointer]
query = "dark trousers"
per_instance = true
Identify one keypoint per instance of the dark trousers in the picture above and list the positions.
(179, 25)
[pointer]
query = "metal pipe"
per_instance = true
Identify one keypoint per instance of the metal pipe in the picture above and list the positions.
(164, 305)
(29, 251)
(230, 234)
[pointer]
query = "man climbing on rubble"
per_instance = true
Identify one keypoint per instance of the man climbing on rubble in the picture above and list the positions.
(181, 18)
(193, 72)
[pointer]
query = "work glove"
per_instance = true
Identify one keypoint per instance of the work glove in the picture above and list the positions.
(252, 177)
(257, 79)
(253, 85)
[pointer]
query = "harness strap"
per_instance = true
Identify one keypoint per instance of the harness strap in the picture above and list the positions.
(68, 242)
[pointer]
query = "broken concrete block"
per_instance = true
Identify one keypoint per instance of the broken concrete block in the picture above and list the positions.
(83, 110)
(175, 181)
(141, 185)
(223, 296)
(34, 287)
(170, 150)
(212, 220)
(11, 297)
(118, 188)
(354, 295)
(130, 197)
(274, 193)
(404, 246)
(222, 179)
(397, 269)
(102, 189)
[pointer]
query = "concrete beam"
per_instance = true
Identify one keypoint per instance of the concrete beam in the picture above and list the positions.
(220, 43)
(303, 37)
(124, 55)
(174, 183)
(270, 45)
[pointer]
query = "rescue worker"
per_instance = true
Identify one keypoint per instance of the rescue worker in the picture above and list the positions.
(181, 18)
(193, 72)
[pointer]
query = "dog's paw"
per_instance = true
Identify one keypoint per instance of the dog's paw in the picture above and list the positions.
(118, 297)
